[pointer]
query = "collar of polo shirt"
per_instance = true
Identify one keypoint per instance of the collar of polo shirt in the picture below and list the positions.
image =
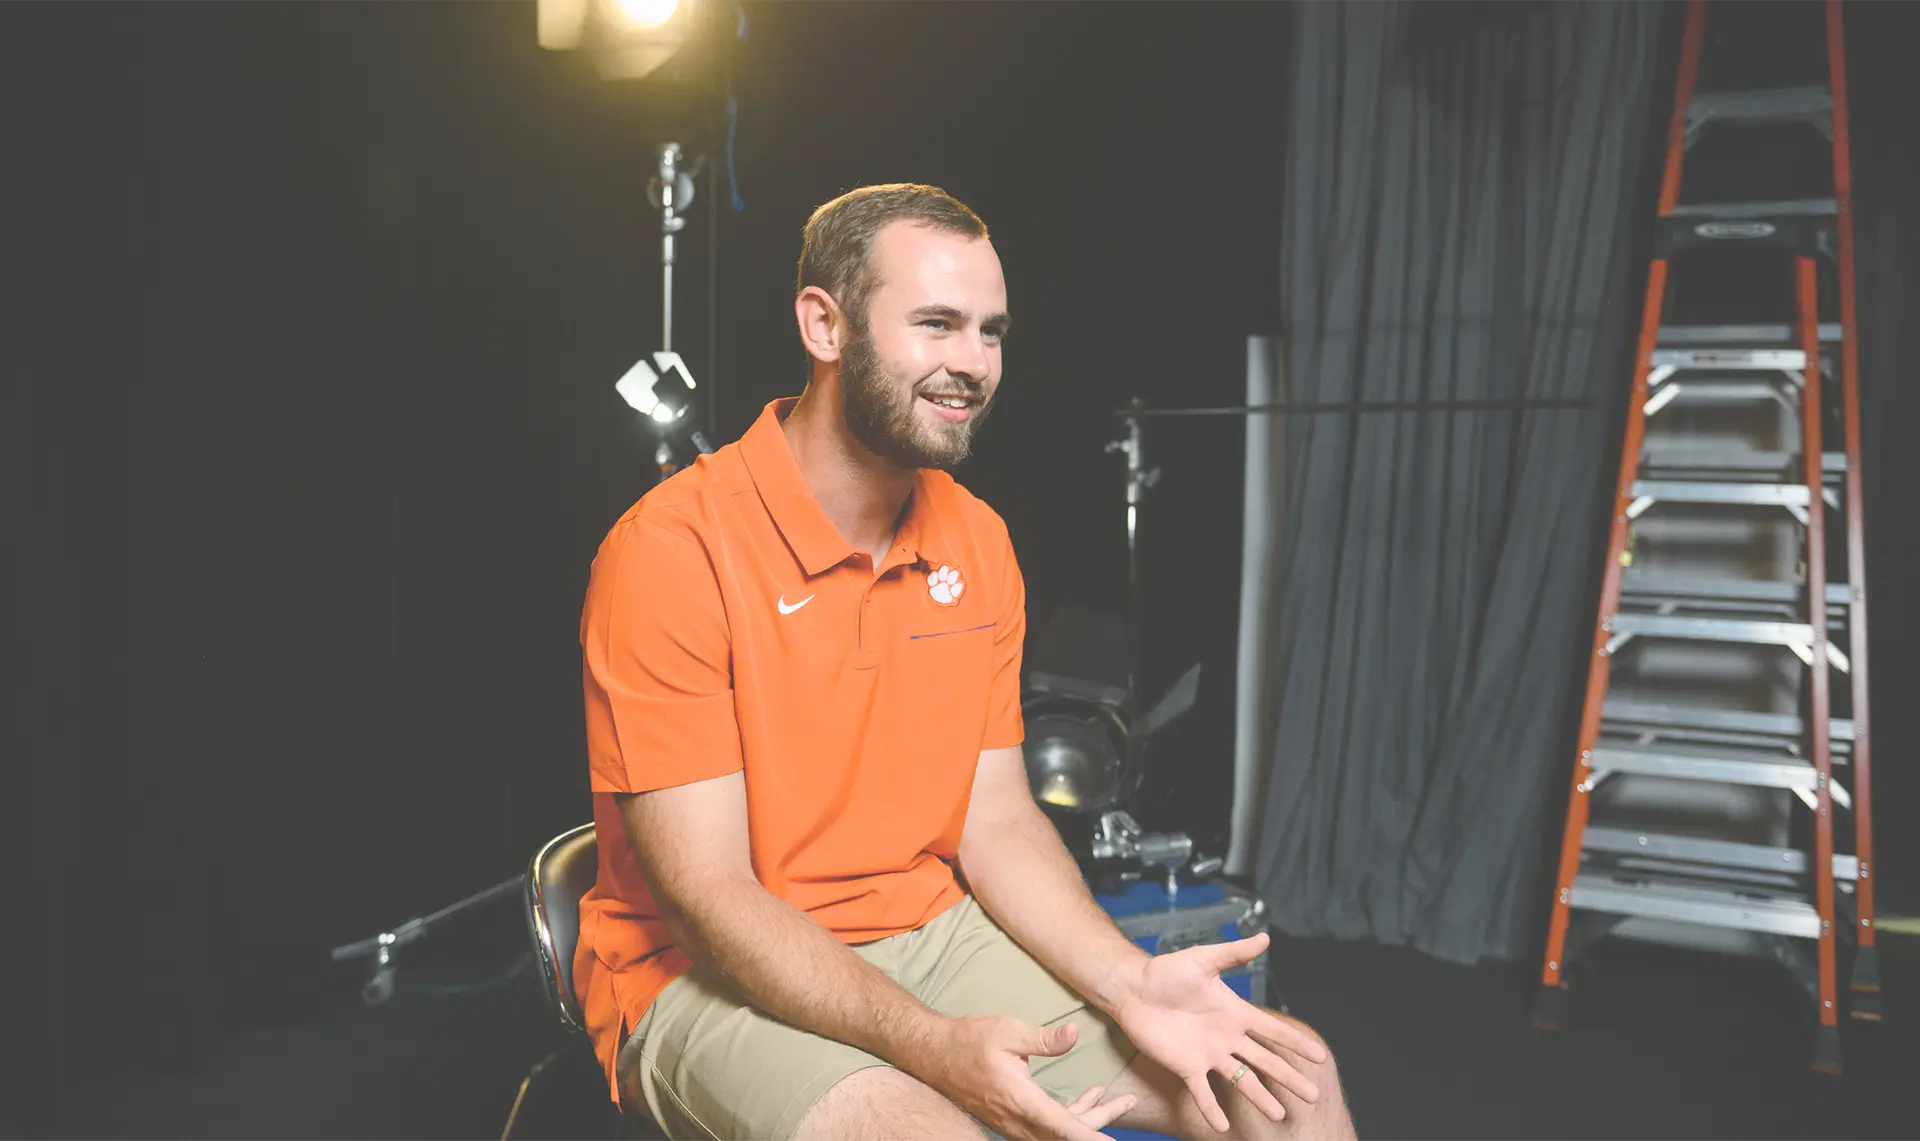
(804, 524)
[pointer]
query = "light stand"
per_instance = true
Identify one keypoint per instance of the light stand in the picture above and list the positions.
(1140, 480)
(661, 388)
(671, 192)
(1072, 753)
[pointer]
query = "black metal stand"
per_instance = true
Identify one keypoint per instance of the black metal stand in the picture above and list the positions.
(1140, 480)
(381, 948)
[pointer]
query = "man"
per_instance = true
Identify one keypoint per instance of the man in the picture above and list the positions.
(802, 661)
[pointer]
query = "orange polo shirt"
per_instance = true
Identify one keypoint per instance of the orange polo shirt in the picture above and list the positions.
(729, 627)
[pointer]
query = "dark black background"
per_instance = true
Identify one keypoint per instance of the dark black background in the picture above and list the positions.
(316, 312)
(313, 314)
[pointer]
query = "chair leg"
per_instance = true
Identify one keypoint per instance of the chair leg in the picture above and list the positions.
(520, 1098)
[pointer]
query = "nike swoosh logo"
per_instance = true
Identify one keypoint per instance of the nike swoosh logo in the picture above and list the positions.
(785, 609)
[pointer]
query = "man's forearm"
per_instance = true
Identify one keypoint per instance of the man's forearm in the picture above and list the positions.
(1026, 880)
(786, 965)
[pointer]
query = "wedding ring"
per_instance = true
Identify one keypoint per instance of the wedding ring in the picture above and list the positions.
(1238, 1074)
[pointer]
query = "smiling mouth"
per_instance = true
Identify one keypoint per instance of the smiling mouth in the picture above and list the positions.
(952, 409)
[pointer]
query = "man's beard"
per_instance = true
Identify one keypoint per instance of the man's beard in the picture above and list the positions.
(879, 408)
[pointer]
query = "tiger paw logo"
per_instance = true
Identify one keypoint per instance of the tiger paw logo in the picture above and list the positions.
(944, 585)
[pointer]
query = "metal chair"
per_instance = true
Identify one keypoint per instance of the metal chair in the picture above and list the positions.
(559, 875)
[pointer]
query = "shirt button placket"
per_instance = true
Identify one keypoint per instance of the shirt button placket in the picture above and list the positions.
(869, 629)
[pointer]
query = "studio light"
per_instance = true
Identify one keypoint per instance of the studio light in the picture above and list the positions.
(628, 39)
(1076, 746)
(1084, 744)
(645, 15)
(1084, 754)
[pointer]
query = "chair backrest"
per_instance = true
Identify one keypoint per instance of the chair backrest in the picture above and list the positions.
(561, 872)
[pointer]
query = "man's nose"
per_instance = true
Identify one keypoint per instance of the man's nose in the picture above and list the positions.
(970, 358)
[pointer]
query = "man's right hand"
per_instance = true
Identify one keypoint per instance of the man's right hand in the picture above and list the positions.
(980, 1063)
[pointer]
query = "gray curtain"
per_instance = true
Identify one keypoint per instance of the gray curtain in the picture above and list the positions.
(1457, 209)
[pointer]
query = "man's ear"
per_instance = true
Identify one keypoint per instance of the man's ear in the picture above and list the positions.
(822, 325)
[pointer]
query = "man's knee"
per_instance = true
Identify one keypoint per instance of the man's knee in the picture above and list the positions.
(1326, 1074)
(879, 1103)
(1166, 1105)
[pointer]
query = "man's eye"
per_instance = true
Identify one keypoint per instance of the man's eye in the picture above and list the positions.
(933, 323)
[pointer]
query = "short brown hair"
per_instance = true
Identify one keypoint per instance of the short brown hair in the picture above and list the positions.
(836, 246)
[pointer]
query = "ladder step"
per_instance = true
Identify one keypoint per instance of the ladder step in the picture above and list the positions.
(1776, 104)
(1738, 630)
(1768, 105)
(1652, 898)
(1699, 606)
(1795, 636)
(1803, 227)
(1718, 391)
(1692, 457)
(1767, 749)
(1752, 768)
(1789, 208)
(1714, 853)
(1728, 359)
(1715, 744)
(1629, 716)
(1703, 491)
(1654, 588)
(1755, 336)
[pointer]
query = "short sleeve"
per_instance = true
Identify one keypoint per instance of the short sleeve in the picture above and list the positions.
(1005, 728)
(657, 663)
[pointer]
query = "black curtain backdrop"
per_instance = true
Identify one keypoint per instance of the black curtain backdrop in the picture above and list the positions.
(1458, 228)
(309, 432)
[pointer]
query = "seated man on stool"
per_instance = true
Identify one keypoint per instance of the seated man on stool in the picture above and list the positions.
(828, 906)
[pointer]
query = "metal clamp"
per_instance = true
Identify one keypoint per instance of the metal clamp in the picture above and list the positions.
(1119, 837)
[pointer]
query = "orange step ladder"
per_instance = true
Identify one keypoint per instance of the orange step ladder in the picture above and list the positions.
(1682, 824)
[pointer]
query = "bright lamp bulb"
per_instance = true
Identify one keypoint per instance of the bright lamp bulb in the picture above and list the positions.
(664, 414)
(644, 15)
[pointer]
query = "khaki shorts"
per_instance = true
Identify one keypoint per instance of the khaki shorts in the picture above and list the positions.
(706, 1066)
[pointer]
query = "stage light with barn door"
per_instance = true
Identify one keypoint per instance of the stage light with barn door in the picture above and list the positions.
(661, 389)
(1085, 754)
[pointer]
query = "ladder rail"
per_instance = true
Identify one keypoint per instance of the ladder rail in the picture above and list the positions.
(1598, 662)
(1806, 292)
(1864, 980)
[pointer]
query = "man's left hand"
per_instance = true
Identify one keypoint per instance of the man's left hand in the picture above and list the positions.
(1181, 1014)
